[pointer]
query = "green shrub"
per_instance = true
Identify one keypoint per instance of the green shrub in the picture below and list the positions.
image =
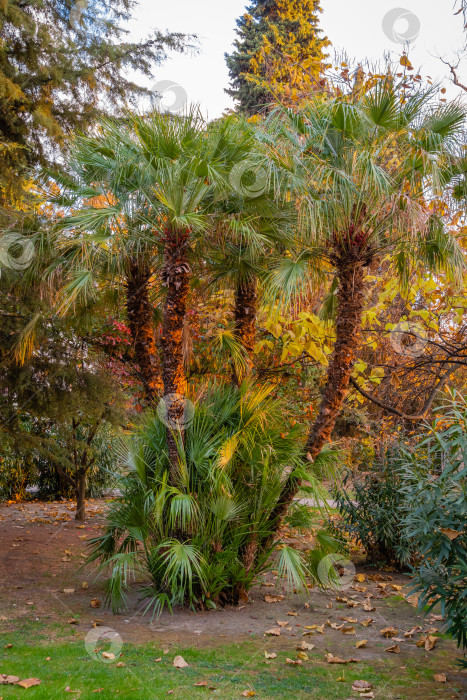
(435, 496)
(203, 540)
(371, 509)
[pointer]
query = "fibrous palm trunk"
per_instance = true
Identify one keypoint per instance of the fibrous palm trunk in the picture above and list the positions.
(176, 277)
(245, 318)
(350, 297)
(140, 315)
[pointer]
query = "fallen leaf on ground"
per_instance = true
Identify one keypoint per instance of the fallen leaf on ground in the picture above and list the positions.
(273, 598)
(120, 664)
(369, 607)
(302, 655)
(389, 632)
(395, 649)
(367, 622)
(108, 655)
(29, 682)
(395, 587)
(305, 646)
(411, 632)
(361, 644)
(270, 655)
(352, 620)
(430, 642)
(348, 630)
(293, 662)
(248, 694)
(331, 659)
(334, 625)
(292, 614)
(157, 660)
(179, 662)
(201, 683)
(361, 686)
(73, 621)
(95, 603)
(281, 623)
(440, 678)
(85, 584)
(360, 578)
(274, 632)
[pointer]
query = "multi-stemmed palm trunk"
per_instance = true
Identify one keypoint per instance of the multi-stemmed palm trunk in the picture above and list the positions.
(140, 314)
(245, 312)
(176, 278)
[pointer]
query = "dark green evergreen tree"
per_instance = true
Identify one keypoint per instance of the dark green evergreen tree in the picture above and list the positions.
(279, 53)
(61, 64)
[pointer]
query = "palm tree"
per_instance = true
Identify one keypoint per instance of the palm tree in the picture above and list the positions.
(146, 192)
(363, 168)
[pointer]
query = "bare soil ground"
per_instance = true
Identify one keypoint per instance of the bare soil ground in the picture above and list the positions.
(42, 583)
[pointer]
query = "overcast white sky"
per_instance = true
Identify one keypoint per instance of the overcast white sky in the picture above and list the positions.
(354, 26)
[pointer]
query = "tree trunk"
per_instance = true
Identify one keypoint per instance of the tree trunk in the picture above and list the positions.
(350, 297)
(80, 492)
(141, 321)
(245, 319)
(176, 276)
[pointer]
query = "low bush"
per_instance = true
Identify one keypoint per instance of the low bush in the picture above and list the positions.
(434, 488)
(371, 506)
(203, 538)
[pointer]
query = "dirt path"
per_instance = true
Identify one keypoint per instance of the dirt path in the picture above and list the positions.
(41, 587)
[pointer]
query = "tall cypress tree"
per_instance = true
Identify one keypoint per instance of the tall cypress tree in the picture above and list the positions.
(279, 53)
(61, 63)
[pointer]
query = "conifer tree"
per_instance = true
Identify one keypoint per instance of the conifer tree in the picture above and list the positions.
(279, 53)
(61, 63)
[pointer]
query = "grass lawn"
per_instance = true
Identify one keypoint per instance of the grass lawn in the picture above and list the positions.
(228, 670)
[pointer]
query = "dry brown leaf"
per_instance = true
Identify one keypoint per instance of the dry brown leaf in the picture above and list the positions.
(334, 625)
(203, 684)
(85, 584)
(348, 630)
(451, 534)
(157, 660)
(281, 623)
(273, 598)
(361, 578)
(361, 644)
(270, 655)
(292, 614)
(361, 686)
(411, 632)
(108, 655)
(120, 664)
(248, 694)
(293, 662)
(29, 682)
(304, 646)
(430, 642)
(352, 620)
(440, 678)
(274, 632)
(95, 603)
(301, 655)
(395, 649)
(179, 662)
(368, 607)
(367, 622)
(331, 659)
(73, 621)
(395, 587)
(389, 632)
(68, 591)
